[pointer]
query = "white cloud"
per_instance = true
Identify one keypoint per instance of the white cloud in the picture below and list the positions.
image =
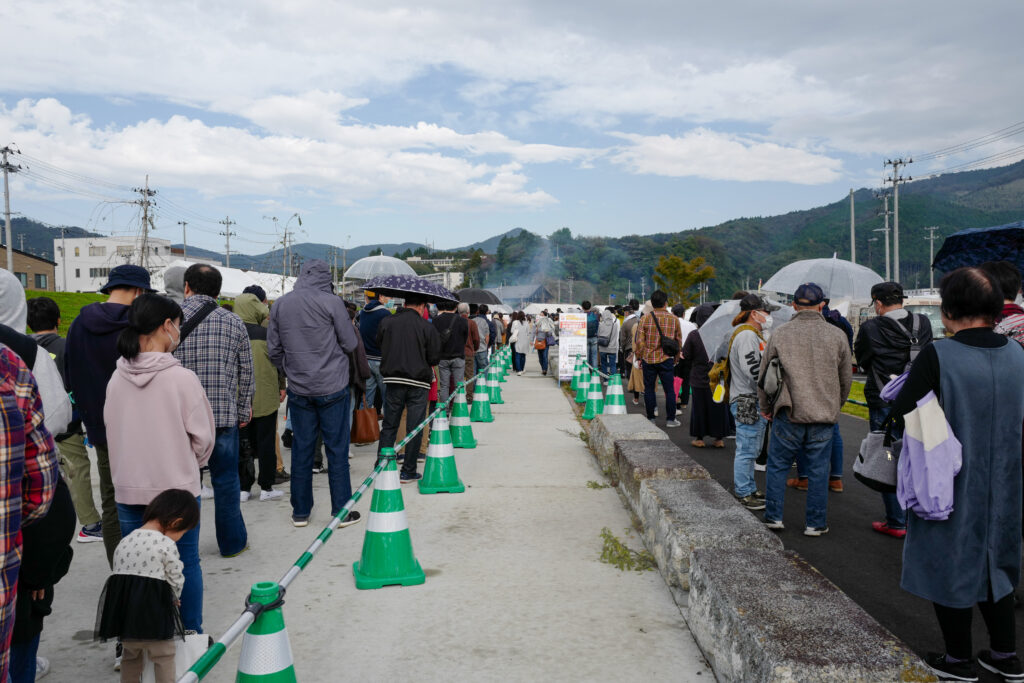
(355, 163)
(706, 154)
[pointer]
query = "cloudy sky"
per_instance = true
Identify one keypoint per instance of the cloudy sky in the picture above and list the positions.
(453, 121)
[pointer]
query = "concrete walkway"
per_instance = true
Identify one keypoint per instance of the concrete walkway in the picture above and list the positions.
(514, 587)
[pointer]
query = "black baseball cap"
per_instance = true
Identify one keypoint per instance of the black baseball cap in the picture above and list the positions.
(887, 292)
(756, 302)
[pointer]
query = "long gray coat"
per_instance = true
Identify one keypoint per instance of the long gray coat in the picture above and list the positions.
(954, 562)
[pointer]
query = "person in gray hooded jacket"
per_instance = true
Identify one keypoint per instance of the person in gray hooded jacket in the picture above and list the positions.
(309, 337)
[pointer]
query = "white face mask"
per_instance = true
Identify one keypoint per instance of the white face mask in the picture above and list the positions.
(767, 323)
(174, 342)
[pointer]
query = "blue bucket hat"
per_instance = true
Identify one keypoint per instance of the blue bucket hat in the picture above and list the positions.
(127, 276)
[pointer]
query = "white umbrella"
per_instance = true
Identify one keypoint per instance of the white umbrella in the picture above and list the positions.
(836, 277)
(374, 266)
(717, 329)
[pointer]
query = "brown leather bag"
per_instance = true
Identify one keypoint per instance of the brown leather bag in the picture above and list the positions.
(365, 428)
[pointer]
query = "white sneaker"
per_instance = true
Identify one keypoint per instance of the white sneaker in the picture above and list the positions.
(758, 467)
(673, 423)
(244, 496)
(42, 667)
(118, 652)
(272, 494)
(206, 493)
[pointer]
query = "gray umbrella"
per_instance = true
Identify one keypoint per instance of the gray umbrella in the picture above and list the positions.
(374, 266)
(836, 277)
(715, 333)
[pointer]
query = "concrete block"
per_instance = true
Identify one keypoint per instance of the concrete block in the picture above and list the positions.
(639, 460)
(680, 517)
(605, 430)
(768, 615)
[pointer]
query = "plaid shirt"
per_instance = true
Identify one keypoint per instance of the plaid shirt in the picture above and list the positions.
(28, 459)
(218, 352)
(648, 341)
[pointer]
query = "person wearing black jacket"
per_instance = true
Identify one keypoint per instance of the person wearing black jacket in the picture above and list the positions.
(452, 330)
(46, 558)
(410, 348)
(883, 350)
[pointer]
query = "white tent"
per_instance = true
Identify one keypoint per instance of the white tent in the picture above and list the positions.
(235, 280)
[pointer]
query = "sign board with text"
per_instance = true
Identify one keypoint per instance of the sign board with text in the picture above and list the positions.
(572, 341)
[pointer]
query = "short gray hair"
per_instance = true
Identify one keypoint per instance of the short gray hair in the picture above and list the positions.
(462, 308)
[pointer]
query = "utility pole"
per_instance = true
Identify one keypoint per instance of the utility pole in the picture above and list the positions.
(570, 288)
(871, 260)
(643, 289)
(853, 233)
(145, 193)
(21, 239)
(184, 242)
(885, 234)
(8, 168)
(227, 223)
(344, 263)
(931, 256)
(896, 179)
(64, 259)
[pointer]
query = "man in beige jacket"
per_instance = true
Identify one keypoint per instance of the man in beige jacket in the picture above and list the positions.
(816, 378)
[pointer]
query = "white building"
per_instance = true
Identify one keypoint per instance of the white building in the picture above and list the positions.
(448, 279)
(88, 260)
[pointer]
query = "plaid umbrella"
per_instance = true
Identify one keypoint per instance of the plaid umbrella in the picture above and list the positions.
(404, 285)
(975, 246)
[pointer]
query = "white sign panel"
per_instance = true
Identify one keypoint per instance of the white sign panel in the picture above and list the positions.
(572, 341)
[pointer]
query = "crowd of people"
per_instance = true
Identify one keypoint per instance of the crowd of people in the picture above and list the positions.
(165, 387)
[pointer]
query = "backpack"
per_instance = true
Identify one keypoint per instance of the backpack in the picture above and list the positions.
(719, 372)
(592, 322)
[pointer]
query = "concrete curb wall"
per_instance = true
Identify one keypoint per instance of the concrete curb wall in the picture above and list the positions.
(606, 430)
(757, 611)
(768, 615)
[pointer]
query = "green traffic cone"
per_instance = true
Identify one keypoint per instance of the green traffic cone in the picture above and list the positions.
(494, 385)
(615, 400)
(440, 474)
(481, 411)
(460, 427)
(583, 386)
(266, 654)
(503, 367)
(387, 558)
(576, 371)
(595, 399)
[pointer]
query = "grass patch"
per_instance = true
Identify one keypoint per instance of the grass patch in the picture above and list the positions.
(857, 394)
(595, 485)
(617, 553)
(70, 304)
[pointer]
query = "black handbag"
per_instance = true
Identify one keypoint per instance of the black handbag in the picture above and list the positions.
(669, 345)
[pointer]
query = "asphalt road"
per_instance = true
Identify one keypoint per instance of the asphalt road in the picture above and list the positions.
(866, 565)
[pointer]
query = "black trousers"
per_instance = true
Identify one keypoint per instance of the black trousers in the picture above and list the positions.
(261, 432)
(956, 627)
(414, 401)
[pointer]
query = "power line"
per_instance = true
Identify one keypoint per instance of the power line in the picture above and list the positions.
(1001, 134)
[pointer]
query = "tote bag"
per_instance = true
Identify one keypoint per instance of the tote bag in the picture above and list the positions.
(186, 652)
(365, 428)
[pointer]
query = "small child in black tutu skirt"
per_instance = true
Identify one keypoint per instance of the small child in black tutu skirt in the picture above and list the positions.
(139, 604)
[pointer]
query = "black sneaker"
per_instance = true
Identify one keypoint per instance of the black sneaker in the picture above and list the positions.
(281, 477)
(351, 518)
(961, 671)
(752, 503)
(407, 478)
(1010, 668)
(286, 438)
(758, 495)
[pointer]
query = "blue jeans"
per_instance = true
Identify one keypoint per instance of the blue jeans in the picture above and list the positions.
(790, 441)
(329, 417)
(835, 466)
(748, 446)
(518, 361)
(130, 517)
(232, 537)
(542, 357)
(895, 516)
(608, 363)
(592, 352)
(373, 383)
(480, 360)
(22, 662)
(665, 371)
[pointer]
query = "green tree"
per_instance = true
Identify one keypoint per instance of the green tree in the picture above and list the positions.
(678, 277)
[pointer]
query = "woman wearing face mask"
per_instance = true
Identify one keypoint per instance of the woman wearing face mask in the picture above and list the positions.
(160, 430)
(744, 366)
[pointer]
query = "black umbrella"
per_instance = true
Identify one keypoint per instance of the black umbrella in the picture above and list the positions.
(977, 245)
(404, 285)
(472, 295)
